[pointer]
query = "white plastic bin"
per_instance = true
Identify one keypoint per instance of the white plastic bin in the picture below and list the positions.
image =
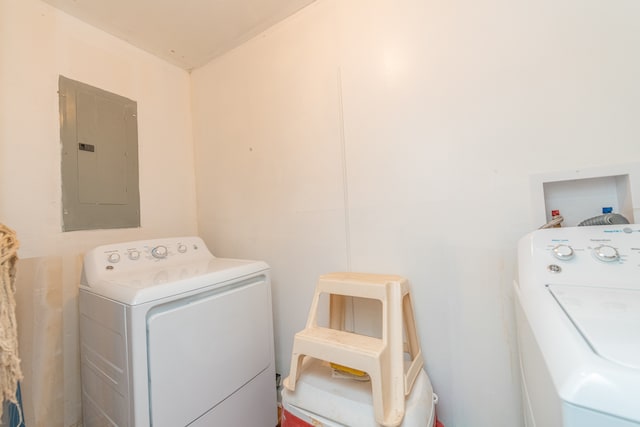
(320, 399)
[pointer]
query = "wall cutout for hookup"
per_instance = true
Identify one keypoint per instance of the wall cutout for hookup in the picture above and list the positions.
(586, 193)
(99, 135)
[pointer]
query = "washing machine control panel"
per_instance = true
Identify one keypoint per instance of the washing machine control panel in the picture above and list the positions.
(601, 255)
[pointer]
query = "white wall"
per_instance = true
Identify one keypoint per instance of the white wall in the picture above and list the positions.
(37, 44)
(400, 136)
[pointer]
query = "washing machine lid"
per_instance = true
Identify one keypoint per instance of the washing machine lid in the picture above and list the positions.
(163, 281)
(608, 319)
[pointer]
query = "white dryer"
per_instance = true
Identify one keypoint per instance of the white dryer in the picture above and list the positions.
(171, 336)
(578, 316)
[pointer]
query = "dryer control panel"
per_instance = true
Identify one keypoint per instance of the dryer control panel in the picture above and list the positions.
(597, 255)
(142, 255)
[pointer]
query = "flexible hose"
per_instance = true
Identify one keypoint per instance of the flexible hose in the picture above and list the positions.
(606, 219)
(557, 220)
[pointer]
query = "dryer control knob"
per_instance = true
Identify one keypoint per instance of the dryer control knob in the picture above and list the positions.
(160, 252)
(113, 257)
(563, 252)
(606, 253)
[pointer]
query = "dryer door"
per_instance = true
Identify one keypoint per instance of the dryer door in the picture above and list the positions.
(203, 348)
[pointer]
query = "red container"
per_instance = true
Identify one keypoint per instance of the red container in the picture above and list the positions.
(290, 420)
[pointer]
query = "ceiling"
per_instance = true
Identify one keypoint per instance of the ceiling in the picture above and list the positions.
(187, 33)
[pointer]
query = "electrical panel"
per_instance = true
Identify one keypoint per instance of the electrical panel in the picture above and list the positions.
(99, 135)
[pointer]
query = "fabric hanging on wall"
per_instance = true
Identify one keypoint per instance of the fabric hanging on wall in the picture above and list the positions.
(10, 372)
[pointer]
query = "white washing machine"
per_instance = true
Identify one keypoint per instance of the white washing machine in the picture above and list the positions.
(171, 336)
(578, 314)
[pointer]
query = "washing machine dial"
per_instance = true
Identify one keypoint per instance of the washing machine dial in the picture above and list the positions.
(134, 255)
(160, 252)
(606, 253)
(113, 258)
(182, 248)
(563, 252)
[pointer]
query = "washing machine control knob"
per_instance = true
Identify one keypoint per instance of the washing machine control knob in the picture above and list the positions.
(114, 257)
(160, 252)
(182, 248)
(134, 255)
(563, 252)
(606, 253)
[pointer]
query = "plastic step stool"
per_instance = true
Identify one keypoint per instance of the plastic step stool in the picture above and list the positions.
(381, 358)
